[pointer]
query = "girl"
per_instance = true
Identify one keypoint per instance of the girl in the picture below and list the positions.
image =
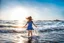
(29, 26)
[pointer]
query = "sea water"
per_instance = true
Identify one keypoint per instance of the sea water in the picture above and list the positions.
(48, 32)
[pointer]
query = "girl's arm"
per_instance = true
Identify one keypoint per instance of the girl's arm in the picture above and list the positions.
(34, 25)
(20, 26)
(25, 25)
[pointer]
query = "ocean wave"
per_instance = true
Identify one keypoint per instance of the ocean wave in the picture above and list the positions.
(11, 31)
(51, 29)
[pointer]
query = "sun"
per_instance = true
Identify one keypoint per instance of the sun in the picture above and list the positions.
(18, 13)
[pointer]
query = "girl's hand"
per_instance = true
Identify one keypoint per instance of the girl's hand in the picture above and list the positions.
(35, 26)
(24, 27)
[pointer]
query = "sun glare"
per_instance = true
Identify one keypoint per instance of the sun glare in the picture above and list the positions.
(18, 13)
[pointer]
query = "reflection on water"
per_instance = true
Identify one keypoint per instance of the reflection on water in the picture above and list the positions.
(48, 37)
(56, 36)
(48, 32)
(15, 38)
(29, 41)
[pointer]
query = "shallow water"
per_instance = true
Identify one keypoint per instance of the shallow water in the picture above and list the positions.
(46, 37)
(47, 32)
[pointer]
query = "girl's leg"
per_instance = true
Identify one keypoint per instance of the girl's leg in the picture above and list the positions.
(28, 32)
(31, 32)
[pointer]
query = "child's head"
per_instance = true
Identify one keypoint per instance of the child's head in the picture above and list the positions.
(29, 18)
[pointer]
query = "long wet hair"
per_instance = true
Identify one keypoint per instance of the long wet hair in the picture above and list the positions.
(29, 19)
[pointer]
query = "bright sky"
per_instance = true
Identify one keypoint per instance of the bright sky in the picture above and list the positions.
(38, 9)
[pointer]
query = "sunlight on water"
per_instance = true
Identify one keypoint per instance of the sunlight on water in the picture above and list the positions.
(45, 32)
